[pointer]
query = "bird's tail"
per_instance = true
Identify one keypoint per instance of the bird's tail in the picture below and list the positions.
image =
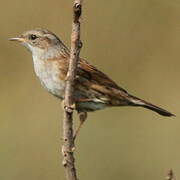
(139, 102)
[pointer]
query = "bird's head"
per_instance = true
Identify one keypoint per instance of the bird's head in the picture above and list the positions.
(38, 40)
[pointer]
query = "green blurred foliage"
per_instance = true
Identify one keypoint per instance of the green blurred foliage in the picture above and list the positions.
(136, 42)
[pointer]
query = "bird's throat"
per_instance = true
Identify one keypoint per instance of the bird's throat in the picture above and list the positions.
(48, 72)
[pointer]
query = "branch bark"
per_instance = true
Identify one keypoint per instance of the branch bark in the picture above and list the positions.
(68, 140)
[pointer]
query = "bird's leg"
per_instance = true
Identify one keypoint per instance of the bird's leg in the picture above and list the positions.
(82, 118)
(71, 108)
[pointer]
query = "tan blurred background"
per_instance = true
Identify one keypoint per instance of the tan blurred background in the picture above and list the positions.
(137, 43)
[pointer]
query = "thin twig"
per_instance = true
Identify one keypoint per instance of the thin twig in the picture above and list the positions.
(68, 145)
(170, 175)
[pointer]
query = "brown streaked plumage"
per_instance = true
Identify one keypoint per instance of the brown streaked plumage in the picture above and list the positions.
(93, 91)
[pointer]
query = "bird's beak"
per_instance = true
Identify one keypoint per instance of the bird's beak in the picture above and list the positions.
(18, 39)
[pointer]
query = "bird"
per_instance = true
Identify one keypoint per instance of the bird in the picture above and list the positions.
(94, 90)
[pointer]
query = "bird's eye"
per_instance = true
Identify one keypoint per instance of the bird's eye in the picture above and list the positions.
(33, 37)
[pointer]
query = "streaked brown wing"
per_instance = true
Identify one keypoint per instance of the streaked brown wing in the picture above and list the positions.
(89, 72)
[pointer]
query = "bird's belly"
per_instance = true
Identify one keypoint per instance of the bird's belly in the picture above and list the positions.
(49, 75)
(55, 87)
(90, 106)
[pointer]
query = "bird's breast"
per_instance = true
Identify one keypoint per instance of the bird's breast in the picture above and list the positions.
(49, 74)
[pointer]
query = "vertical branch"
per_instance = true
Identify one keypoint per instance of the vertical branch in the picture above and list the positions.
(68, 140)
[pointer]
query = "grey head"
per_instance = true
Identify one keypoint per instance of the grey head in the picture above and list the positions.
(39, 41)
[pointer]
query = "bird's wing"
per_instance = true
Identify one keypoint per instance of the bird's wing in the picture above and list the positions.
(97, 77)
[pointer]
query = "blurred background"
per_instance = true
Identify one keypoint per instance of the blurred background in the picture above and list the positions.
(135, 42)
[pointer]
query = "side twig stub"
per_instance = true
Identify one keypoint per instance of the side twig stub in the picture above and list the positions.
(170, 175)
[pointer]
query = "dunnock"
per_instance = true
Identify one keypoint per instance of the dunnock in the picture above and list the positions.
(93, 90)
